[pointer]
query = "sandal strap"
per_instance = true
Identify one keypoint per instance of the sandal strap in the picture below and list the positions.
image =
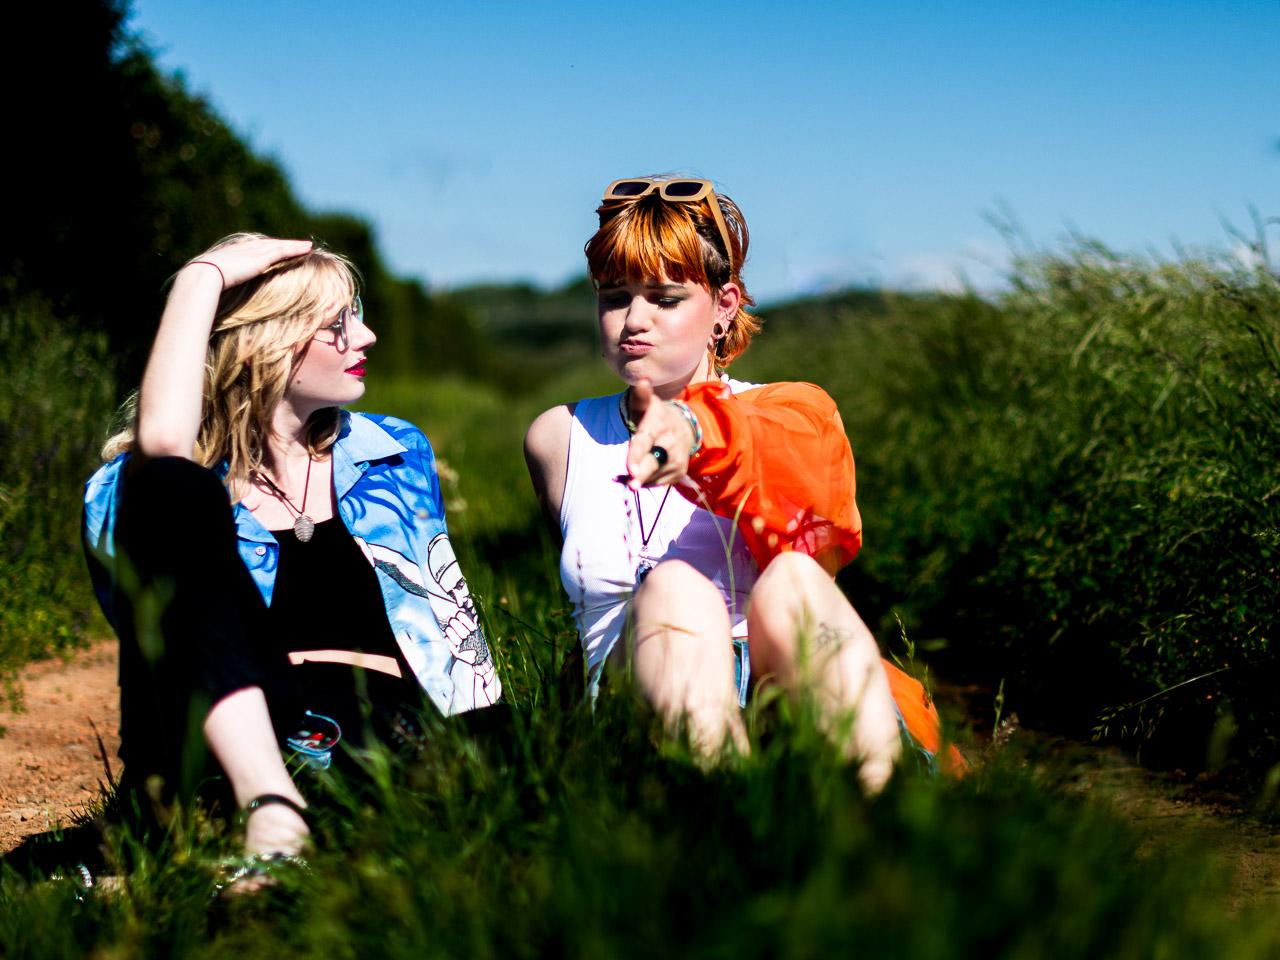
(267, 799)
(268, 865)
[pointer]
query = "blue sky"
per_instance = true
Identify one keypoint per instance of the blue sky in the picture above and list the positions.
(864, 142)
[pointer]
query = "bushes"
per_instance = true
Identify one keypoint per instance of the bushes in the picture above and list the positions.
(1157, 526)
(1076, 484)
(56, 398)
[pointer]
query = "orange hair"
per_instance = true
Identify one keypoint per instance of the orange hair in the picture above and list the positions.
(652, 237)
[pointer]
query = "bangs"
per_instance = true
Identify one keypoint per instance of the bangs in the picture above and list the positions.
(303, 292)
(330, 288)
(647, 239)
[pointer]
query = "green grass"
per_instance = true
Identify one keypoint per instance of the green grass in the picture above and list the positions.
(1073, 478)
(54, 409)
(1072, 486)
(591, 837)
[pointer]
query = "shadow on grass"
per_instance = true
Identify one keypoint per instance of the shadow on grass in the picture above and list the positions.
(555, 831)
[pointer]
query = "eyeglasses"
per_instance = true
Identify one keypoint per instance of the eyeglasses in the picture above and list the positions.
(683, 190)
(350, 316)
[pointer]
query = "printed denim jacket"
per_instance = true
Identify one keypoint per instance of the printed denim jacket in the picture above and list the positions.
(388, 494)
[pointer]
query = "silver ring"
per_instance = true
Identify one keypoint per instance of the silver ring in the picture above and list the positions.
(659, 454)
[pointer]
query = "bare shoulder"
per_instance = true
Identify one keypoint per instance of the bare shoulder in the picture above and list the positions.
(546, 451)
(547, 438)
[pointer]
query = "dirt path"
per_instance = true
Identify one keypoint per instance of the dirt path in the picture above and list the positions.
(50, 760)
(1166, 807)
(51, 765)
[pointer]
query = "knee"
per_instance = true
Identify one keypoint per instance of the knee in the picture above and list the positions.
(675, 582)
(159, 489)
(792, 584)
(790, 571)
(675, 593)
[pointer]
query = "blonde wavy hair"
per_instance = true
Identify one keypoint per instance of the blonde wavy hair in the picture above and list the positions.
(258, 329)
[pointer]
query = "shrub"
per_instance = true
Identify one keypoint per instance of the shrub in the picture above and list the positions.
(1075, 484)
(56, 398)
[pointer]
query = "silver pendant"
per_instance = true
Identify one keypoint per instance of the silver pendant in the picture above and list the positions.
(304, 527)
(643, 568)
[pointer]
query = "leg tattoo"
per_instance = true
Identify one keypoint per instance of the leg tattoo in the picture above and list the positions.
(827, 637)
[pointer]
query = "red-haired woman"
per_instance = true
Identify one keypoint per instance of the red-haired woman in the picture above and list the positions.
(732, 575)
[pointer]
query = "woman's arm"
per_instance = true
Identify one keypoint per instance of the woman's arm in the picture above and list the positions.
(775, 459)
(546, 451)
(172, 395)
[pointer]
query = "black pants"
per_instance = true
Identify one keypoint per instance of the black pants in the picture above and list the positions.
(193, 628)
(191, 622)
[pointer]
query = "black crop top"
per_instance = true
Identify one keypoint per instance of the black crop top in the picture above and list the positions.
(326, 597)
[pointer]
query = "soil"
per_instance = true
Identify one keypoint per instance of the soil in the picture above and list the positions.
(1172, 805)
(52, 768)
(51, 760)
(1166, 807)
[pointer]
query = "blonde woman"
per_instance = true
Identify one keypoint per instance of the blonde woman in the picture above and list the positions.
(703, 518)
(263, 553)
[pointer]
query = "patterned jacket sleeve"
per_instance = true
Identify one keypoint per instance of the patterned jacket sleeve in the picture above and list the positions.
(777, 461)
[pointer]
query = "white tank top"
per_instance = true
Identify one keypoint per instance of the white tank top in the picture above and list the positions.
(605, 528)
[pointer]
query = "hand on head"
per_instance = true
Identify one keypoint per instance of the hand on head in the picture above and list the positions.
(658, 425)
(246, 259)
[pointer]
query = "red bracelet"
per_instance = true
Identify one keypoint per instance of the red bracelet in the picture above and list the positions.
(210, 263)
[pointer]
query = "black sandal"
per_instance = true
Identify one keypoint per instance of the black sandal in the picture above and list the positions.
(260, 870)
(266, 799)
(256, 872)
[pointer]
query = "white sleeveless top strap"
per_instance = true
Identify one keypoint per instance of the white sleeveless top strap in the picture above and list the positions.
(605, 530)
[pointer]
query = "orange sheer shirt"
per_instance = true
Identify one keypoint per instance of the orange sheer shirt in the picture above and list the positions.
(776, 459)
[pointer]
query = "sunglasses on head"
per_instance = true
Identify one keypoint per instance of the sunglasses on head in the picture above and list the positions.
(681, 190)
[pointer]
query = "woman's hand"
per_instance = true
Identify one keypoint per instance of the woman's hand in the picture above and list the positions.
(658, 424)
(238, 262)
(172, 397)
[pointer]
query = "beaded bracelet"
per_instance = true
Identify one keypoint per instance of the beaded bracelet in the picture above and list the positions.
(694, 425)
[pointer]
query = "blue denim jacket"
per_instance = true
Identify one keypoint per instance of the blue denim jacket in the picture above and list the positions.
(388, 494)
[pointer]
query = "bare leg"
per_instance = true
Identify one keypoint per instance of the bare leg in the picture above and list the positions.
(239, 732)
(804, 632)
(682, 655)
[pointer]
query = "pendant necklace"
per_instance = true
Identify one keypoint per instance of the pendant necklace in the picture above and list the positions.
(646, 563)
(303, 527)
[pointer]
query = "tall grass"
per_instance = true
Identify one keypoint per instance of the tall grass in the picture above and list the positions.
(1075, 484)
(588, 836)
(56, 397)
(1032, 475)
(1072, 485)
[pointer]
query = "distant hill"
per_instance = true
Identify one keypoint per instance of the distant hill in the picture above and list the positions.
(525, 314)
(536, 316)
